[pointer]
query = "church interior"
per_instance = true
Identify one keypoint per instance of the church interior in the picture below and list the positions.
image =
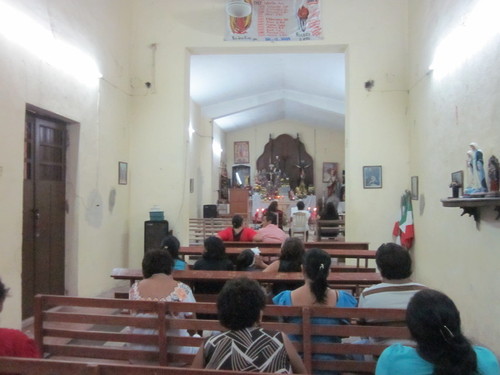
(418, 84)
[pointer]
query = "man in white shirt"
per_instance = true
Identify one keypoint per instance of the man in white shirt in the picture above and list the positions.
(396, 288)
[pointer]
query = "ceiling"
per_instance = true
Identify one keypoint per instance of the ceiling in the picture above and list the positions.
(239, 91)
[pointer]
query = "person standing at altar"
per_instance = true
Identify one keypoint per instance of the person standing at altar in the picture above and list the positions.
(270, 232)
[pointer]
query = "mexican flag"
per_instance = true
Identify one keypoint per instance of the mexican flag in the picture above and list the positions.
(403, 230)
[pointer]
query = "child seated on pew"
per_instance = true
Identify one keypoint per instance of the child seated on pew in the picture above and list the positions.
(245, 346)
(14, 343)
(249, 260)
(172, 245)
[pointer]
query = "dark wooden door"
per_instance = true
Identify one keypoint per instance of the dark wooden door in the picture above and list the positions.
(43, 209)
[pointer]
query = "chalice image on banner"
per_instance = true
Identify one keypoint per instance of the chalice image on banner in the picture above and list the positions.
(240, 15)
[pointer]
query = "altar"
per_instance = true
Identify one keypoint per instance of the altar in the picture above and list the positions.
(284, 203)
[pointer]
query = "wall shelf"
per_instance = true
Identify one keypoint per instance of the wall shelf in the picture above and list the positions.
(471, 206)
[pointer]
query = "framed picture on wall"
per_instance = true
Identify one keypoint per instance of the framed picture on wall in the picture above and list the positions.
(372, 177)
(330, 170)
(414, 187)
(241, 152)
(122, 173)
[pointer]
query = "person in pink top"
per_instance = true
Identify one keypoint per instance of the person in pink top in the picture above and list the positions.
(237, 232)
(270, 232)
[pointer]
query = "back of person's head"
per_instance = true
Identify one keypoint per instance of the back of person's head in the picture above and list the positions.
(239, 303)
(273, 206)
(237, 221)
(3, 293)
(156, 261)
(330, 211)
(317, 267)
(293, 250)
(172, 245)
(245, 259)
(434, 322)
(214, 248)
(271, 217)
(300, 205)
(393, 261)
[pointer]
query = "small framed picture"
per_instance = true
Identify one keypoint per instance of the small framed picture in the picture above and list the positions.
(330, 171)
(241, 153)
(414, 187)
(122, 173)
(372, 177)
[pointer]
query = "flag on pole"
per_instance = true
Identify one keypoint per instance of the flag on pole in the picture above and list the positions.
(403, 230)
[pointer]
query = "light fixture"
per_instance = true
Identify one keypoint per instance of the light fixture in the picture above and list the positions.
(238, 8)
(39, 40)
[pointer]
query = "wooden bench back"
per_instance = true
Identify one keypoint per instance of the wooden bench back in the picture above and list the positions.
(329, 228)
(73, 327)
(325, 245)
(199, 229)
(31, 366)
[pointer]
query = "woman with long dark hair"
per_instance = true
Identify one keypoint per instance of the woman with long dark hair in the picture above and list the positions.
(442, 349)
(290, 260)
(315, 292)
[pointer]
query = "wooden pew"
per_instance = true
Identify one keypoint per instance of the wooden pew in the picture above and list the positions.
(329, 228)
(32, 366)
(53, 313)
(355, 281)
(269, 252)
(325, 245)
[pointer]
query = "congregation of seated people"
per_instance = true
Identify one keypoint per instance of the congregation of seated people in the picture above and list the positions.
(438, 345)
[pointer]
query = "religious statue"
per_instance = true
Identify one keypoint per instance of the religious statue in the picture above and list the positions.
(494, 173)
(475, 168)
(301, 189)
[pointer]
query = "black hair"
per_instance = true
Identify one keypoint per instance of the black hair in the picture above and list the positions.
(434, 322)
(3, 291)
(156, 261)
(172, 245)
(330, 212)
(239, 303)
(272, 217)
(300, 205)
(293, 251)
(317, 267)
(214, 248)
(273, 206)
(393, 261)
(237, 221)
(244, 260)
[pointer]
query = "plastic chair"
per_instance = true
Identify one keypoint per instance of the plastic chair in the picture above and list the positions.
(299, 225)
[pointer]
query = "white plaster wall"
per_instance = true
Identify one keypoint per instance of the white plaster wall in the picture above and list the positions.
(375, 38)
(96, 237)
(324, 145)
(445, 116)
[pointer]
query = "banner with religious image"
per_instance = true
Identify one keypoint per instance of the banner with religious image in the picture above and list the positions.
(273, 20)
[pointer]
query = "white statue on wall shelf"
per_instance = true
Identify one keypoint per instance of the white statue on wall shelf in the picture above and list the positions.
(475, 168)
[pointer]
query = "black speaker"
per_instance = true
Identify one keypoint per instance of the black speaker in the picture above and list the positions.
(154, 232)
(209, 210)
